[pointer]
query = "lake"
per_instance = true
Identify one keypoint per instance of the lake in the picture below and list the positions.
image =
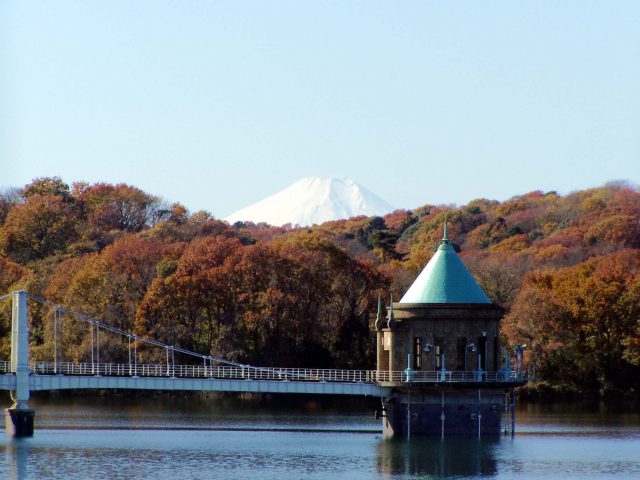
(297, 438)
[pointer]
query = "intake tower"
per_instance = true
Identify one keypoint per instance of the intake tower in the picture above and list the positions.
(443, 336)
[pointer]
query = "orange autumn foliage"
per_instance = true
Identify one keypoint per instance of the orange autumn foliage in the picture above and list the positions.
(564, 267)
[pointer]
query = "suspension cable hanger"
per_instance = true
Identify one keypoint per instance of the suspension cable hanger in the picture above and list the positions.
(93, 369)
(56, 315)
(98, 325)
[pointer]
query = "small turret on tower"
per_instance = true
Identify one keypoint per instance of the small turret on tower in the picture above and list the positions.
(379, 323)
(391, 323)
(445, 236)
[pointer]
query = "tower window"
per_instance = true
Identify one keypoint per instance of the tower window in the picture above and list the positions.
(438, 352)
(417, 353)
(461, 350)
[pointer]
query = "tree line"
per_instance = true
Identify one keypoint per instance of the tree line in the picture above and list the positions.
(565, 268)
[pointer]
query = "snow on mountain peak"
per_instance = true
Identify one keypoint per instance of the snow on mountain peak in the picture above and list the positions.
(314, 200)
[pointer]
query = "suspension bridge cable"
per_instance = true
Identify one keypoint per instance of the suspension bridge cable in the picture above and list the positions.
(93, 367)
(105, 326)
(96, 325)
(98, 345)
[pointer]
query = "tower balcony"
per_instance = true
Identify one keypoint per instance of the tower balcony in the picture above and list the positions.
(475, 378)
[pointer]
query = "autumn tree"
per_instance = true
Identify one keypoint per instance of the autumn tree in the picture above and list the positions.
(10, 274)
(194, 307)
(44, 225)
(120, 207)
(499, 275)
(9, 198)
(47, 186)
(583, 322)
(107, 286)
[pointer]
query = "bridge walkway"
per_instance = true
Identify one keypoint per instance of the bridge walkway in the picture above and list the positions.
(67, 375)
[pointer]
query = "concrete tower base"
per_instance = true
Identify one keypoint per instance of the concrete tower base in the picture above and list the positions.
(19, 422)
(472, 413)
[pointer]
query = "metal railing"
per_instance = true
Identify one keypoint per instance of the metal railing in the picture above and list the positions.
(200, 371)
(269, 373)
(453, 376)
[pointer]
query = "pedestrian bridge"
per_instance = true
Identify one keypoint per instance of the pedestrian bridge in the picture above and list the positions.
(205, 373)
(246, 379)
(48, 376)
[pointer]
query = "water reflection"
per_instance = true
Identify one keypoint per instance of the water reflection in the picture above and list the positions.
(288, 439)
(435, 457)
(16, 457)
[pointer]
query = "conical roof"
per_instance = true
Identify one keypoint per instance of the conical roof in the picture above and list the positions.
(445, 279)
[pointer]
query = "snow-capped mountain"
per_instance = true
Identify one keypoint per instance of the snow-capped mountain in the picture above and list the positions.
(314, 200)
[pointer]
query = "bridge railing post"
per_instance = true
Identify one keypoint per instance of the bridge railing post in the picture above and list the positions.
(19, 418)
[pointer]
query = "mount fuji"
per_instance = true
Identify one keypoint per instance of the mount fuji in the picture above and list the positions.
(314, 200)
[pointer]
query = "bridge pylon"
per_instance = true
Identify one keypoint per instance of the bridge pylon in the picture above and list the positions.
(19, 417)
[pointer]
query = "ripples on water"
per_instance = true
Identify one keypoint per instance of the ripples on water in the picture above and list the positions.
(160, 438)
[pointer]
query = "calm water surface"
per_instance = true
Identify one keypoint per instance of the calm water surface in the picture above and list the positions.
(281, 438)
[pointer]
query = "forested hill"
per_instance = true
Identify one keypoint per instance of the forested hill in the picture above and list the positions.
(566, 268)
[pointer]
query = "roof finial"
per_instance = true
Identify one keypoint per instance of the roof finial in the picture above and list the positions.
(445, 237)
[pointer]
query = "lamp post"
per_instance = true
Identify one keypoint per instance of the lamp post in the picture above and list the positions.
(471, 347)
(443, 370)
(427, 348)
(519, 350)
(484, 351)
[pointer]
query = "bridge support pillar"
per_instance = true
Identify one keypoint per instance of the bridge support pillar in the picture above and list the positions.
(442, 412)
(19, 422)
(19, 418)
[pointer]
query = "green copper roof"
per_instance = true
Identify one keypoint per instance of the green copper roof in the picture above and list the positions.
(445, 279)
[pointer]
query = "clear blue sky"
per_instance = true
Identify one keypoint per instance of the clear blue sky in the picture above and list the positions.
(218, 104)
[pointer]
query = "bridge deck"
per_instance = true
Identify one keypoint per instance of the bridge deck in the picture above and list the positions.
(66, 375)
(60, 382)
